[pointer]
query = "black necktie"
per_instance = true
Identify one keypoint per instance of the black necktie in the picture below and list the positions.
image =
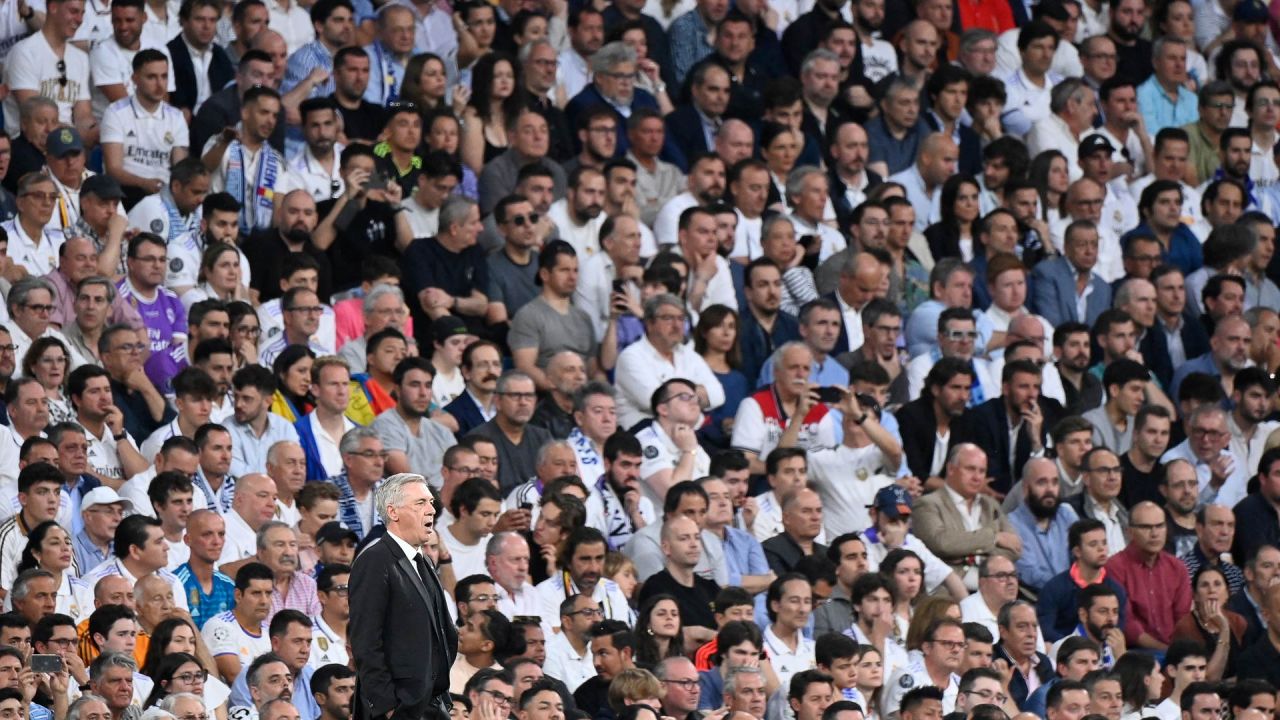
(421, 563)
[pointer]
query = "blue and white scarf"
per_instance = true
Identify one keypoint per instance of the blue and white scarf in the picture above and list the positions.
(257, 202)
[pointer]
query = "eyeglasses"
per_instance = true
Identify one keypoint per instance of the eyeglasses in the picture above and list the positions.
(41, 196)
(131, 347)
(483, 598)
(309, 310)
(371, 454)
(1110, 470)
(682, 397)
(1002, 576)
(683, 684)
(38, 308)
(468, 471)
(1220, 106)
(62, 73)
(618, 75)
(61, 642)
(1207, 433)
(962, 335)
(522, 220)
(194, 716)
(190, 677)
(498, 697)
(10, 348)
(999, 697)
(155, 259)
(669, 318)
(249, 331)
(1266, 102)
(589, 612)
(545, 62)
(949, 644)
(520, 395)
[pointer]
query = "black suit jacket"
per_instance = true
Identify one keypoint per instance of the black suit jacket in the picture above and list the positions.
(401, 631)
(919, 428)
(970, 162)
(1154, 346)
(221, 72)
(987, 426)
(685, 138)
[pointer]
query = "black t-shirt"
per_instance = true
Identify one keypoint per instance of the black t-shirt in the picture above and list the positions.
(266, 251)
(1138, 485)
(427, 263)
(371, 232)
(695, 602)
(363, 123)
(1179, 540)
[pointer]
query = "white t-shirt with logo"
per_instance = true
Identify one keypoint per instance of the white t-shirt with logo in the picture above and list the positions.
(148, 137)
(32, 65)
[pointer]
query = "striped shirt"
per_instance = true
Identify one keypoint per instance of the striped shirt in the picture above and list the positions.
(305, 59)
(301, 597)
(205, 605)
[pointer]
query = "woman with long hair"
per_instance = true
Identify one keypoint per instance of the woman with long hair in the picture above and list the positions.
(246, 331)
(870, 679)
(715, 339)
(426, 85)
(903, 572)
(178, 636)
(219, 277)
(181, 672)
(50, 548)
(292, 369)
(956, 233)
(1211, 624)
(1051, 176)
(1140, 684)
(49, 361)
(659, 631)
(441, 132)
(496, 98)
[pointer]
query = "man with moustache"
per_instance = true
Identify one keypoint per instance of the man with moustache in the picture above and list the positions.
(1042, 522)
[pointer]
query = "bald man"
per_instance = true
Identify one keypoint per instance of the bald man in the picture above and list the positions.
(1156, 582)
(1042, 521)
(682, 547)
(923, 181)
(254, 504)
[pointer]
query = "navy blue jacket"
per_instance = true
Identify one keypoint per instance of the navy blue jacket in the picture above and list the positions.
(756, 346)
(589, 98)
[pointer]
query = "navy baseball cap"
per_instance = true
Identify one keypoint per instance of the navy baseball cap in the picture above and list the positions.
(893, 500)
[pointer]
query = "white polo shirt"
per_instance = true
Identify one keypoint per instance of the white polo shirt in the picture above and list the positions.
(38, 259)
(148, 137)
(306, 173)
(787, 662)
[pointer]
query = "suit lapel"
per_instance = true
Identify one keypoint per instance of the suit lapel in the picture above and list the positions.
(406, 566)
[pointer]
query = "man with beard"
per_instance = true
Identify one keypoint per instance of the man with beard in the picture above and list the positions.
(1099, 621)
(579, 214)
(254, 428)
(1228, 354)
(266, 250)
(616, 501)
(174, 210)
(1240, 65)
(316, 168)
(705, 185)
(879, 59)
(333, 686)
(1133, 53)
(550, 324)
(926, 421)
(848, 177)
(1042, 522)
(597, 138)
(363, 220)
(1252, 394)
(565, 373)
(411, 438)
(620, 200)
(605, 96)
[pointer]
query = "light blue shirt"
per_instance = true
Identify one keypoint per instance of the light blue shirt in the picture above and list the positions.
(821, 373)
(302, 697)
(921, 332)
(1159, 112)
(382, 66)
(1045, 552)
(249, 452)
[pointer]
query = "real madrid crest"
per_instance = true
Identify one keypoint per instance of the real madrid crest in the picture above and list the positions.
(168, 138)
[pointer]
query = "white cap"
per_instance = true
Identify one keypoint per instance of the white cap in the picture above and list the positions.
(103, 495)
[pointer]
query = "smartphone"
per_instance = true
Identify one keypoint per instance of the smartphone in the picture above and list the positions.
(377, 181)
(526, 506)
(807, 241)
(830, 394)
(620, 286)
(46, 663)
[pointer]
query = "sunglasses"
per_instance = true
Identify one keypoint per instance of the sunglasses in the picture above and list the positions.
(62, 73)
(520, 220)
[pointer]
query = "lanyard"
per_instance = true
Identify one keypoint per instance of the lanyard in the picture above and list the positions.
(568, 592)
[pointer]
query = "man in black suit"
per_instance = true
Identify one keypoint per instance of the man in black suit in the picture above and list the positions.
(404, 660)
(692, 128)
(928, 418)
(200, 66)
(1019, 408)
